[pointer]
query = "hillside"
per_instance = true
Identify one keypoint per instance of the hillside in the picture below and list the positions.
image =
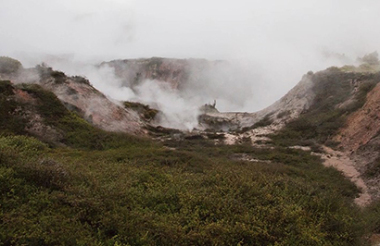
(178, 73)
(76, 93)
(72, 173)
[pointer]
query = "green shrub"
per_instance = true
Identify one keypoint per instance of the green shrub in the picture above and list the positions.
(115, 189)
(49, 106)
(81, 80)
(140, 195)
(283, 114)
(11, 120)
(145, 111)
(6, 88)
(22, 144)
(370, 59)
(324, 118)
(59, 77)
(9, 65)
(373, 169)
(263, 122)
(75, 131)
(361, 95)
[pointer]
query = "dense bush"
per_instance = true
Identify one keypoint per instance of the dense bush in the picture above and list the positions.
(266, 121)
(9, 65)
(11, 122)
(145, 111)
(6, 88)
(371, 58)
(155, 196)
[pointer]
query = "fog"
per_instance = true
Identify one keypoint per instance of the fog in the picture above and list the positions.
(273, 42)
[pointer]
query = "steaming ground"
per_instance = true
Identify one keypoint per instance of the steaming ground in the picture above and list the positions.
(229, 86)
(236, 86)
(272, 43)
(178, 112)
(234, 89)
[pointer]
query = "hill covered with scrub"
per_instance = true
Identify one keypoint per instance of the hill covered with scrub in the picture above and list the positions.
(71, 177)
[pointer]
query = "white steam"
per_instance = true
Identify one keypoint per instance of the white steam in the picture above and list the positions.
(177, 112)
(269, 44)
(105, 80)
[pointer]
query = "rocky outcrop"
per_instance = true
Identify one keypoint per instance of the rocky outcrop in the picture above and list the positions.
(288, 107)
(181, 74)
(362, 125)
(77, 94)
(360, 140)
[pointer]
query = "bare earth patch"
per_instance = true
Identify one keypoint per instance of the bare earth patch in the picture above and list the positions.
(343, 163)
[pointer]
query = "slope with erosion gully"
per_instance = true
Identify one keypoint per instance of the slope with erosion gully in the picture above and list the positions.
(78, 168)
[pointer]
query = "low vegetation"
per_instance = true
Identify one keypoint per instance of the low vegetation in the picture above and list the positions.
(71, 129)
(266, 121)
(373, 169)
(9, 65)
(102, 188)
(10, 121)
(145, 111)
(150, 195)
(370, 59)
(328, 112)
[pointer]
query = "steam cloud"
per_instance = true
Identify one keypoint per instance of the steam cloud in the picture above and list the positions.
(178, 112)
(269, 45)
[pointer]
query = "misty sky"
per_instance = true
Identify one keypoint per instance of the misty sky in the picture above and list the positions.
(198, 28)
(282, 38)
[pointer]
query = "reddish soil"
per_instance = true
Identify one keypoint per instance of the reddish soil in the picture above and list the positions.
(363, 124)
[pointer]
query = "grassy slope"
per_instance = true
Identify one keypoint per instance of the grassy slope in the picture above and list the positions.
(150, 195)
(323, 119)
(114, 189)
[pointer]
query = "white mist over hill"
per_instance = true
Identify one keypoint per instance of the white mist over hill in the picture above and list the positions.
(270, 44)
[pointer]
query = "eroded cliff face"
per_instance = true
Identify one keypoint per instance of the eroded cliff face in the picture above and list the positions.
(175, 72)
(359, 139)
(333, 106)
(278, 114)
(77, 94)
(362, 125)
(181, 87)
(345, 104)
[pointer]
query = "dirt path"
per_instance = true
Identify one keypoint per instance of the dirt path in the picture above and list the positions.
(344, 164)
(331, 158)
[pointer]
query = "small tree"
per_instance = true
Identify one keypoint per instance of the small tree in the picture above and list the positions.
(9, 65)
(371, 58)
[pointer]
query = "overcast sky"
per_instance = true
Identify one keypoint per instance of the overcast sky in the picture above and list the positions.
(213, 29)
(282, 38)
